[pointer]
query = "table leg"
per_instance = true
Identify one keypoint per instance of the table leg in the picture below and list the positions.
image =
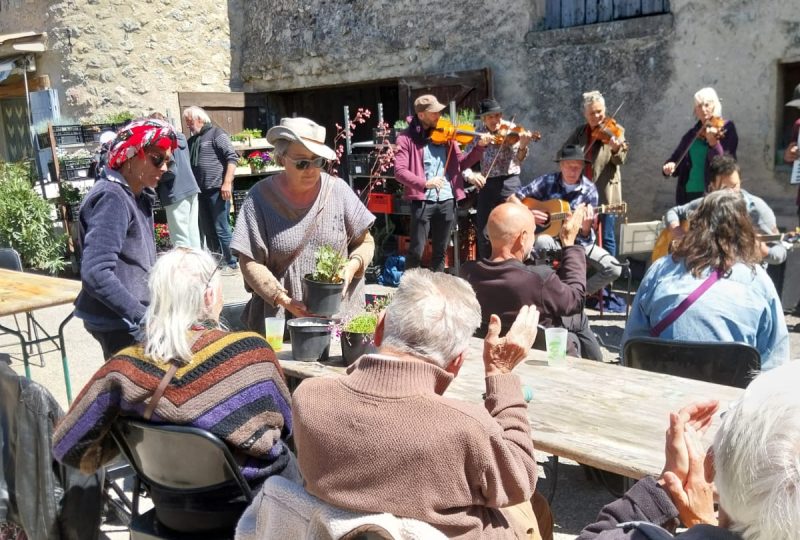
(64, 362)
(24, 343)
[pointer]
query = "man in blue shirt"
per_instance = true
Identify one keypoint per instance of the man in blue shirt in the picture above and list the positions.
(571, 186)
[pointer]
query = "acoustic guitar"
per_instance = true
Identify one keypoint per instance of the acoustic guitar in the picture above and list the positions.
(663, 244)
(558, 211)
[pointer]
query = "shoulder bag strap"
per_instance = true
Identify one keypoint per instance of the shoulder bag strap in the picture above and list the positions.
(173, 368)
(683, 306)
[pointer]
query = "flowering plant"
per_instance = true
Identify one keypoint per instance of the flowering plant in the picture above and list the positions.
(161, 233)
(259, 159)
(364, 322)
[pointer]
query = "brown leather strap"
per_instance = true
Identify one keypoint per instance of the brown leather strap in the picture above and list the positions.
(173, 368)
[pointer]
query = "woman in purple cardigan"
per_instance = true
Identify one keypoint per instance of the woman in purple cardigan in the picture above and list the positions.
(691, 160)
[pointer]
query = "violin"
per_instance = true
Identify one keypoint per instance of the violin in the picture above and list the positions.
(445, 131)
(607, 130)
(509, 136)
(715, 126)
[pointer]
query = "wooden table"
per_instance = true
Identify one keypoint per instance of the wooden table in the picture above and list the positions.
(22, 292)
(607, 416)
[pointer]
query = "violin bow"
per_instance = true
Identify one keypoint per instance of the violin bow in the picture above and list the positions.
(491, 165)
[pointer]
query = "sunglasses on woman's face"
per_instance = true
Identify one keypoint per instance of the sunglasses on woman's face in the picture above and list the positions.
(158, 160)
(303, 164)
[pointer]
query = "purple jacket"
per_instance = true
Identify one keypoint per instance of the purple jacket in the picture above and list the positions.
(727, 144)
(409, 169)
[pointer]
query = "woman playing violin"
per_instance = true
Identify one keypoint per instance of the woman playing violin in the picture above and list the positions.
(604, 145)
(500, 166)
(710, 136)
(432, 180)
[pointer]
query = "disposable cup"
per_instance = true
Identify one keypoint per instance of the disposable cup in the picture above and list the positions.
(556, 341)
(275, 332)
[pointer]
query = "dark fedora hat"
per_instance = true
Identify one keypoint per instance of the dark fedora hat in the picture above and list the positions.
(489, 106)
(571, 152)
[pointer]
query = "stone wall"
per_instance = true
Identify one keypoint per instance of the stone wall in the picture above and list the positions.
(107, 56)
(653, 64)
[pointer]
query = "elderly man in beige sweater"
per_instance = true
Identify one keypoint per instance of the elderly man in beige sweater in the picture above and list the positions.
(384, 439)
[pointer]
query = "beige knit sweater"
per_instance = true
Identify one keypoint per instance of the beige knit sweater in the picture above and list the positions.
(381, 440)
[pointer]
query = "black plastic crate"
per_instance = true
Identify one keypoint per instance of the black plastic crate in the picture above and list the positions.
(360, 164)
(44, 140)
(68, 134)
(92, 132)
(75, 169)
(238, 200)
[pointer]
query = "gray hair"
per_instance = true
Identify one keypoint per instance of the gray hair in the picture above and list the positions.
(195, 112)
(281, 146)
(708, 94)
(177, 284)
(757, 457)
(593, 96)
(431, 316)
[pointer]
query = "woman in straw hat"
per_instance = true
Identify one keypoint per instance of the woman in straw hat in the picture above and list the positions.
(287, 217)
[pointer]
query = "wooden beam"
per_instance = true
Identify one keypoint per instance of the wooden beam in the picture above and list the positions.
(225, 100)
(16, 87)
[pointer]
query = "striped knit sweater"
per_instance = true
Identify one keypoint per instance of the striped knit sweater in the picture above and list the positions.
(233, 387)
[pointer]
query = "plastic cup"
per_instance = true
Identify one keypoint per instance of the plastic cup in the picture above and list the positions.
(556, 341)
(275, 332)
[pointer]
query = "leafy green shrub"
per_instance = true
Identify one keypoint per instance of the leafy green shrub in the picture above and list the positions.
(25, 220)
(328, 265)
(363, 323)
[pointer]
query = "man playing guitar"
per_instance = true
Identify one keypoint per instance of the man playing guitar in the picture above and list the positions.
(571, 186)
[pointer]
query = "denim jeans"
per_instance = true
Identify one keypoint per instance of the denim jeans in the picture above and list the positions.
(183, 222)
(609, 233)
(215, 230)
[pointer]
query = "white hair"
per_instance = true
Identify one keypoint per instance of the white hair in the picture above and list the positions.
(593, 96)
(432, 316)
(708, 94)
(178, 283)
(281, 146)
(757, 457)
(196, 113)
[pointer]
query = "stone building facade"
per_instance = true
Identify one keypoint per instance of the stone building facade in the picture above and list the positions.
(111, 55)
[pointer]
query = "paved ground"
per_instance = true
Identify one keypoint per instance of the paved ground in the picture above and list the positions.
(576, 500)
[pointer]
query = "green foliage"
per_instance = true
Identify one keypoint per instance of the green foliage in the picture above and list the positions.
(25, 220)
(363, 323)
(464, 116)
(120, 117)
(246, 134)
(70, 194)
(328, 265)
(400, 124)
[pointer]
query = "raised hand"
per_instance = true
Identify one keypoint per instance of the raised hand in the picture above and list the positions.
(502, 355)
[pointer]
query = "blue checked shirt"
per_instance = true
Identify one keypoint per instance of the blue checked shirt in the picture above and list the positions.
(551, 186)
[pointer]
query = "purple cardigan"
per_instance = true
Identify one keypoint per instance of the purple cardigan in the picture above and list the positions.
(409, 169)
(727, 145)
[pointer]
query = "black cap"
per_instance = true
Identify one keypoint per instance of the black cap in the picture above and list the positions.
(571, 152)
(489, 106)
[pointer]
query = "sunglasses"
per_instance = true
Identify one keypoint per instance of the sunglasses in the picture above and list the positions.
(303, 164)
(158, 160)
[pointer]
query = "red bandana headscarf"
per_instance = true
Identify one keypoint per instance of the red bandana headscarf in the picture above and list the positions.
(138, 135)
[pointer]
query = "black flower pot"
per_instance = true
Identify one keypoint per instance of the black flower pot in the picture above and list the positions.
(323, 299)
(355, 345)
(310, 337)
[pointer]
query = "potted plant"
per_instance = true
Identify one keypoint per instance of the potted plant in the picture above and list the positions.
(71, 198)
(242, 166)
(259, 160)
(400, 125)
(161, 234)
(322, 289)
(358, 336)
(310, 337)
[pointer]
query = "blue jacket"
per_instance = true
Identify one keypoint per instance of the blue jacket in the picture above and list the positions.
(116, 231)
(742, 307)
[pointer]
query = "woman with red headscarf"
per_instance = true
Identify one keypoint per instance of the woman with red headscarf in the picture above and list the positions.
(116, 230)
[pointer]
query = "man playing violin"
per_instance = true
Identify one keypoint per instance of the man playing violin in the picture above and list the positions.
(571, 186)
(432, 180)
(500, 167)
(604, 145)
